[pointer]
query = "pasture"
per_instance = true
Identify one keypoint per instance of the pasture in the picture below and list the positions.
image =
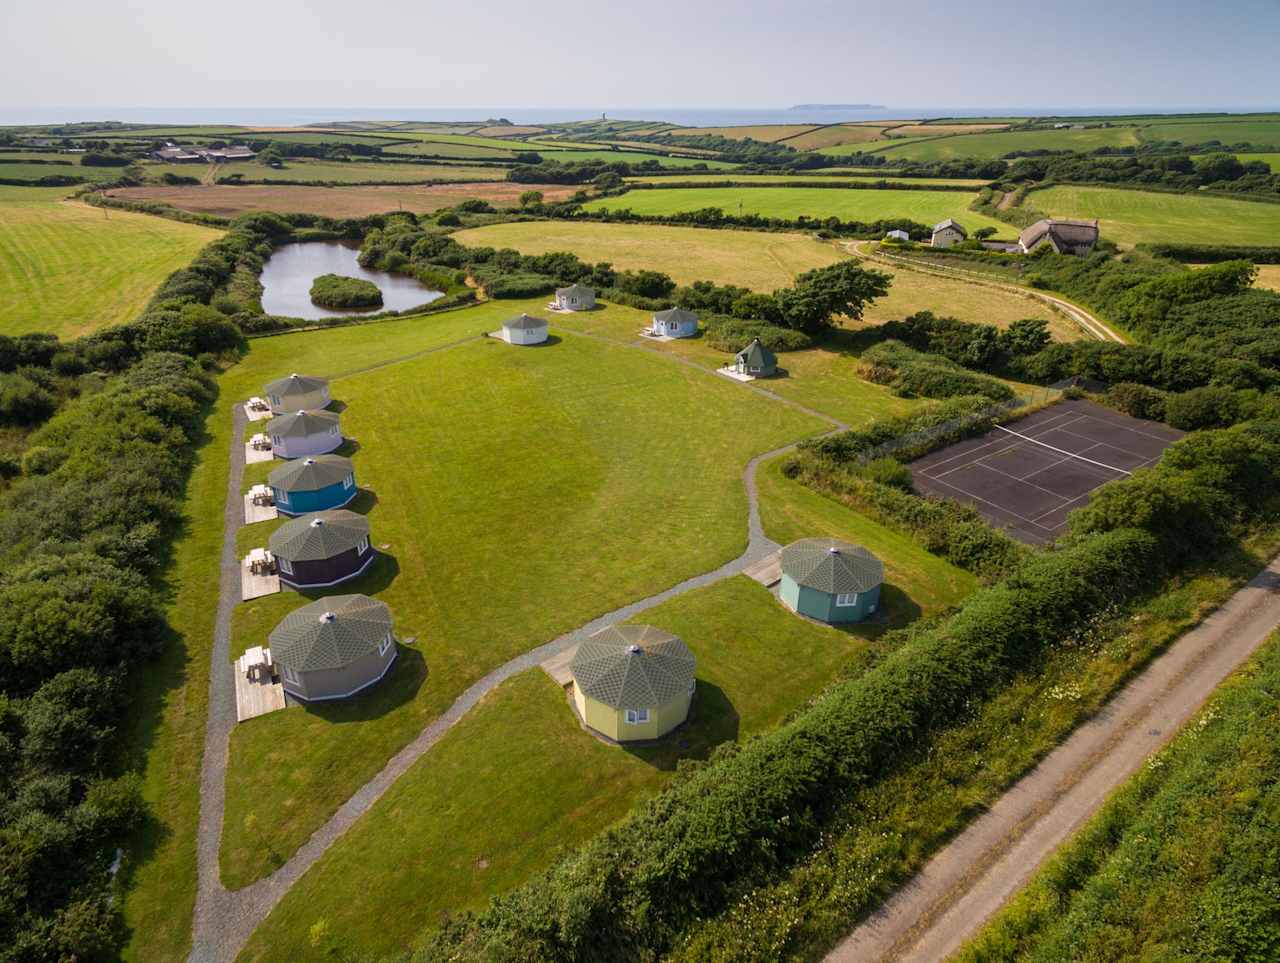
(564, 783)
(758, 261)
(834, 136)
(923, 206)
(1261, 133)
(1130, 217)
(998, 143)
(229, 200)
(766, 133)
(34, 172)
(462, 500)
(1271, 160)
(354, 172)
(825, 177)
(70, 269)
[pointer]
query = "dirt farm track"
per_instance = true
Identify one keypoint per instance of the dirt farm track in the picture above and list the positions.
(230, 200)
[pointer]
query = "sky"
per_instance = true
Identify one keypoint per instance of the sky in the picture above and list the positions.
(684, 53)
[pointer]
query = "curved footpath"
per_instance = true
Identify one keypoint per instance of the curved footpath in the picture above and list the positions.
(958, 890)
(1091, 324)
(225, 919)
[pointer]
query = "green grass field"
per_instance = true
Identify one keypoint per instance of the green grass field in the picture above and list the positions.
(353, 172)
(999, 143)
(33, 172)
(443, 149)
(926, 207)
(1131, 217)
(1260, 133)
(1180, 863)
(758, 261)
(630, 157)
(566, 785)
(69, 269)
(785, 179)
(588, 516)
(1271, 160)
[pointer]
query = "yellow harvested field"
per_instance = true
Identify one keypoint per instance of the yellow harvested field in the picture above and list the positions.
(507, 131)
(937, 130)
(1268, 277)
(834, 136)
(761, 132)
(754, 260)
(69, 269)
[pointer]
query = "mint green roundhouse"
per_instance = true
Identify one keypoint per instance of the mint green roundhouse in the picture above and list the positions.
(830, 580)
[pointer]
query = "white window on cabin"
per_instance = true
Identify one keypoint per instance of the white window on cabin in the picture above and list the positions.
(637, 716)
(282, 497)
(349, 481)
(289, 675)
(284, 565)
(333, 430)
(275, 400)
(275, 440)
(846, 599)
(364, 545)
(384, 644)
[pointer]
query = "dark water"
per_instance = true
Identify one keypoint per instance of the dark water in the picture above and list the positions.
(287, 278)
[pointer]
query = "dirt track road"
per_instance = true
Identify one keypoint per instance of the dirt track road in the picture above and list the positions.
(948, 901)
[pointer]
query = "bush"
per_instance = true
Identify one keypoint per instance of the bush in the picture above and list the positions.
(338, 293)
(1138, 401)
(1208, 407)
(733, 334)
(887, 471)
(920, 380)
(23, 402)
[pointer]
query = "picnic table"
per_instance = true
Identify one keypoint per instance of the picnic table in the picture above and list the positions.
(261, 495)
(259, 404)
(260, 441)
(261, 562)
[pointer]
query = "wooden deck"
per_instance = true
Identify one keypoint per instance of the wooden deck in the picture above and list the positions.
(767, 571)
(255, 699)
(258, 513)
(254, 414)
(558, 666)
(256, 586)
(253, 456)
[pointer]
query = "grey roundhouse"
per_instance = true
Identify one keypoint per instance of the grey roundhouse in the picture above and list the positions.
(322, 549)
(304, 433)
(334, 647)
(297, 393)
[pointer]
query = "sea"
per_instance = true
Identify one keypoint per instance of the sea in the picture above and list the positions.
(683, 116)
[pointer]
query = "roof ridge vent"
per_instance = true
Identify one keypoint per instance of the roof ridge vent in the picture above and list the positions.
(317, 522)
(308, 461)
(634, 649)
(329, 617)
(833, 550)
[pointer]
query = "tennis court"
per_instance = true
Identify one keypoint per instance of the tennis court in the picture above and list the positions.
(1028, 475)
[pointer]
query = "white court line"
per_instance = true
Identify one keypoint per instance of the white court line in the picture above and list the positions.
(966, 494)
(1061, 452)
(1014, 446)
(969, 452)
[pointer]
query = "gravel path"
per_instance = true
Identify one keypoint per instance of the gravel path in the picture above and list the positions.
(225, 919)
(958, 890)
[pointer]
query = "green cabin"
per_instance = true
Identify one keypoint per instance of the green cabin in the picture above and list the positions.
(756, 360)
(830, 580)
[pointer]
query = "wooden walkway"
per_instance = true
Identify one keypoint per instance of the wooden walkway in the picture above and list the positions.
(256, 586)
(558, 665)
(767, 571)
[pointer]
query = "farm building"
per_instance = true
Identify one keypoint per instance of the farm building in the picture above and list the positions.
(948, 232)
(175, 155)
(217, 155)
(576, 297)
(756, 360)
(675, 323)
(333, 647)
(297, 393)
(1064, 236)
(897, 236)
(633, 682)
(322, 549)
(524, 329)
(312, 484)
(304, 433)
(830, 580)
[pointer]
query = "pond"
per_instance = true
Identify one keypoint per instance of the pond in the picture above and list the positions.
(289, 272)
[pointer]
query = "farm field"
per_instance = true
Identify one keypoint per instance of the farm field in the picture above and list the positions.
(999, 143)
(32, 172)
(432, 148)
(451, 500)
(1271, 160)
(69, 269)
(1131, 217)
(1260, 133)
(1268, 277)
(834, 136)
(1180, 856)
(766, 133)
(824, 178)
(229, 200)
(926, 207)
(298, 169)
(449, 858)
(762, 262)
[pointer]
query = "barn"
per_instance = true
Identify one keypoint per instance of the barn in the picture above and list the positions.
(674, 323)
(304, 433)
(830, 580)
(312, 484)
(576, 297)
(524, 329)
(947, 233)
(297, 393)
(333, 647)
(633, 682)
(322, 549)
(1064, 236)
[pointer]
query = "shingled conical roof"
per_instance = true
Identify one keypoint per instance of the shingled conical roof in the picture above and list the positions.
(302, 424)
(296, 384)
(832, 566)
(633, 667)
(310, 474)
(524, 322)
(756, 355)
(678, 315)
(320, 535)
(330, 633)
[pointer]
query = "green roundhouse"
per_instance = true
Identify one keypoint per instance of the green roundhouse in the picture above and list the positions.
(830, 580)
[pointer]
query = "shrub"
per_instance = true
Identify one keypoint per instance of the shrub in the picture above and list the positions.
(23, 402)
(733, 334)
(1137, 400)
(887, 471)
(938, 381)
(337, 292)
(1208, 407)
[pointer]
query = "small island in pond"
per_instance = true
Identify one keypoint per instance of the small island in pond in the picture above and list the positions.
(338, 293)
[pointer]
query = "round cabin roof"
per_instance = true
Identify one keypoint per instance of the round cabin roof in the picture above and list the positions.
(633, 667)
(310, 474)
(678, 315)
(330, 633)
(302, 424)
(524, 322)
(320, 535)
(577, 289)
(757, 355)
(296, 384)
(832, 566)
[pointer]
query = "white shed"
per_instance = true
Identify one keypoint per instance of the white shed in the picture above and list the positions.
(675, 323)
(576, 297)
(524, 329)
(897, 236)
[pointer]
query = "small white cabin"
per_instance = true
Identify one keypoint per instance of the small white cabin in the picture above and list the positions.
(524, 329)
(576, 297)
(674, 323)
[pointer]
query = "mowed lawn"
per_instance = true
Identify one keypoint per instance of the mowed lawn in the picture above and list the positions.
(1132, 217)
(518, 780)
(762, 262)
(924, 206)
(69, 269)
(520, 493)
